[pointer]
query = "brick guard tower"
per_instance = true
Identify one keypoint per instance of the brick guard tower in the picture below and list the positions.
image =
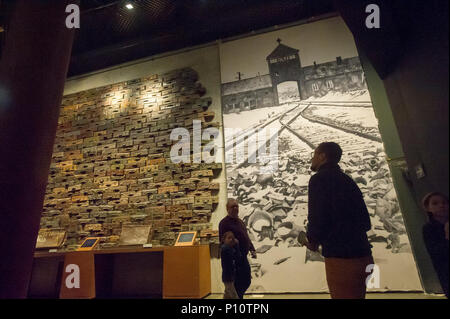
(284, 65)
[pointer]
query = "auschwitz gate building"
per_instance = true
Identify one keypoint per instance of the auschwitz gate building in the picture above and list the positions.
(340, 75)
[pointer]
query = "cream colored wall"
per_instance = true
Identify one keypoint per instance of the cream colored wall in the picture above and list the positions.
(206, 62)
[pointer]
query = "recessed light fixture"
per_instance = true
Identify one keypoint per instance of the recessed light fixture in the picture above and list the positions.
(129, 6)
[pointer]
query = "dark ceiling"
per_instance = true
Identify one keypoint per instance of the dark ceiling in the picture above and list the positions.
(111, 34)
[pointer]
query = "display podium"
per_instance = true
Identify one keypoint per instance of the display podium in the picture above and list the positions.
(78, 276)
(162, 272)
(187, 272)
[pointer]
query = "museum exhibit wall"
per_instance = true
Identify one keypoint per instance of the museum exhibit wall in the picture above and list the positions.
(301, 86)
(291, 88)
(111, 163)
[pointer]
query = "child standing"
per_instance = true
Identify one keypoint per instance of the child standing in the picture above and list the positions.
(435, 235)
(230, 256)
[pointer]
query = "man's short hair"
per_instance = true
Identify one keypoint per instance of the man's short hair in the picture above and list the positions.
(332, 151)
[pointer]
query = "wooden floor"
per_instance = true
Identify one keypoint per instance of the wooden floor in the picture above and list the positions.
(381, 295)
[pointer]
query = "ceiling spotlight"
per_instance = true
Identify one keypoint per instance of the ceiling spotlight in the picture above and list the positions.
(129, 6)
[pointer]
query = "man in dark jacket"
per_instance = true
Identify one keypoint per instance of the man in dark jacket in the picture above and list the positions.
(338, 221)
(233, 223)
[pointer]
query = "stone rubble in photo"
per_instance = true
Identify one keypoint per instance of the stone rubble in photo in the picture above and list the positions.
(274, 207)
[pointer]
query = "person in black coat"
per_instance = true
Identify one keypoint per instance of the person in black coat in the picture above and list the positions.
(338, 221)
(435, 235)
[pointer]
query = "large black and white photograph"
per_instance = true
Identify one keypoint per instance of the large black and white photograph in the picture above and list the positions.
(299, 87)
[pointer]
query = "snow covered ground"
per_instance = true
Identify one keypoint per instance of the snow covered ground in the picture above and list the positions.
(354, 96)
(361, 116)
(250, 118)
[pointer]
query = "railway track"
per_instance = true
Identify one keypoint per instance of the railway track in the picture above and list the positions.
(298, 135)
(279, 128)
(229, 142)
(312, 131)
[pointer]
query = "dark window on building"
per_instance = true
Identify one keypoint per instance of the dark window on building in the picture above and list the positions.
(330, 84)
(339, 60)
(315, 87)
